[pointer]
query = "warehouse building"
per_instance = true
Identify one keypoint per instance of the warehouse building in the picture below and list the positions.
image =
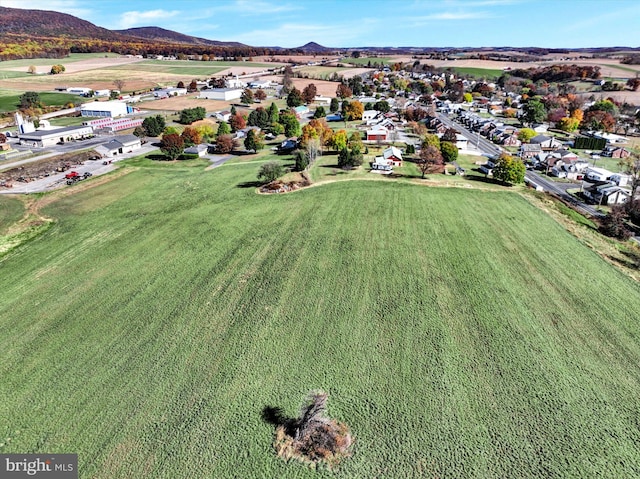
(223, 94)
(46, 138)
(111, 109)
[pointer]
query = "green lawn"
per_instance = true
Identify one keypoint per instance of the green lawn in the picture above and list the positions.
(460, 333)
(184, 67)
(11, 210)
(10, 99)
(486, 73)
(366, 60)
(73, 57)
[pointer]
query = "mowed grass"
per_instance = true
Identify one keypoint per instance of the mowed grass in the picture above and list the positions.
(11, 210)
(487, 73)
(10, 99)
(460, 333)
(184, 67)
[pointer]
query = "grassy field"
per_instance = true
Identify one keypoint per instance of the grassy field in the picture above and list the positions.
(478, 72)
(72, 58)
(184, 67)
(10, 100)
(11, 210)
(460, 333)
(366, 60)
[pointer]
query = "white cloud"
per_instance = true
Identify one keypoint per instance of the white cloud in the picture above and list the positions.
(135, 19)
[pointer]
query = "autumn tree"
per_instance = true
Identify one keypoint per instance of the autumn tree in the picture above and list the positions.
(354, 110)
(568, 124)
(449, 135)
(509, 169)
(633, 83)
(193, 86)
(57, 69)
(32, 69)
(3, 138)
(294, 98)
(225, 144)
(343, 91)
(614, 225)
(172, 146)
(254, 141)
(180, 84)
(247, 96)
(191, 136)
(309, 93)
(430, 160)
(598, 120)
(270, 171)
(525, 134)
(339, 140)
(260, 95)
(431, 140)
(237, 122)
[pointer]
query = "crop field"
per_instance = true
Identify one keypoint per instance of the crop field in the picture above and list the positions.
(459, 333)
(366, 60)
(10, 100)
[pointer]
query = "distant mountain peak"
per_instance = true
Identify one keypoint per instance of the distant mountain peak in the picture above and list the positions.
(313, 47)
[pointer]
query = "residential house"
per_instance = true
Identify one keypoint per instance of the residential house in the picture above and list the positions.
(509, 140)
(301, 110)
(370, 116)
(223, 115)
(607, 194)
(547, 143)
(616, 152)
(529, 150)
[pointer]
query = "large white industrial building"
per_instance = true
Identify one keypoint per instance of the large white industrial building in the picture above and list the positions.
(224, 94)
(111, 109)
(45, 138)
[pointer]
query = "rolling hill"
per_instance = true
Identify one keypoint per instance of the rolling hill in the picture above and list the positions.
(164, 35)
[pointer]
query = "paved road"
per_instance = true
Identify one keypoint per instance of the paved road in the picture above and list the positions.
(491, 149)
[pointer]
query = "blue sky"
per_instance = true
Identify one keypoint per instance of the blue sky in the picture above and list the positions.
(353, 23)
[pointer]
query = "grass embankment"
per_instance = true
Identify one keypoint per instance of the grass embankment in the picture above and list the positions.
(10, 100)
(460, 333)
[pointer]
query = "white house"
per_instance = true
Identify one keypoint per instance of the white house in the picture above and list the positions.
(222, 94)
(78, 90)
(597, 174)
(223, 115)
(369, 116)
(119, 145)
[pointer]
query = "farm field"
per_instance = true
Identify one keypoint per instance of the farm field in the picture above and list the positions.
(10, 100)
(460, 333)
(487, 73)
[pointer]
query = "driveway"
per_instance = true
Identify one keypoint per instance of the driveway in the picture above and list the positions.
(57, 180)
